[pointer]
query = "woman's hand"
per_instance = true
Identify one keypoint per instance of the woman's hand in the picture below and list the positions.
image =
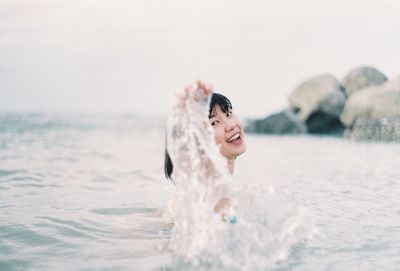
(202, 87)
(193, 90)
(222, 204)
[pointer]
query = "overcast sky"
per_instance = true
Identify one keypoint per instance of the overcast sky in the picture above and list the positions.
(131, 55)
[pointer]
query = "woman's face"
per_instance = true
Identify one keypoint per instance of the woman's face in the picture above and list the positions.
(228, 133)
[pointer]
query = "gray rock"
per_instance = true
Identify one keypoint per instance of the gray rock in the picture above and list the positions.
(384, 129)
(285, 122)
(322, 123)
(374, 102)
(373, 113)
(320, 94)
(362, 77)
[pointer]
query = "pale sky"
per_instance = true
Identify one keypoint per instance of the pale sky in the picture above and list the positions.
(132, 56)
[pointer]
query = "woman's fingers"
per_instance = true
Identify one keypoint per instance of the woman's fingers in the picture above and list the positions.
(190, 91)
(206, 89)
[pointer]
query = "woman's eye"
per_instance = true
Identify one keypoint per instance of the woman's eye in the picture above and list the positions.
(228, 113)
(215, 122)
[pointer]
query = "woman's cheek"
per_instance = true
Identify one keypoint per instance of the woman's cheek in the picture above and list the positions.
(239, 123)
(219, 136)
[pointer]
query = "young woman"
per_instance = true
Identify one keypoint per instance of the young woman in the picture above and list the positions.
(204, 138)
(201, 119)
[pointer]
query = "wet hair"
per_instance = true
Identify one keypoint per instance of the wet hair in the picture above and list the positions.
(216, 100)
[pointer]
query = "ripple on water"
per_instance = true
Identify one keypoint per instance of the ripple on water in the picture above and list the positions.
(25, 178)
(14, 264)
(73, 229)
(122, 211)
(21, 235)
(22, 178)
(103, 179)
(11, 172)
(92, 188)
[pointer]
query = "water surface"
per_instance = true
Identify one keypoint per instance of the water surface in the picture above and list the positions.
(83, 192)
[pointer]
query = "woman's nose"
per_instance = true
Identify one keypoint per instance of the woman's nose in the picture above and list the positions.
(229, 125)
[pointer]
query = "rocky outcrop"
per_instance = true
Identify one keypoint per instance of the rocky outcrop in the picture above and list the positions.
(371, 109)
(383, 129)
(322, 123)
(375, 110)
(362, 77)
(319, 103)
(373, 102)
(285, 122)
(320, 94)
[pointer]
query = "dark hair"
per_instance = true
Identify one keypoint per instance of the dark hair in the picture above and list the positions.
(216, 100)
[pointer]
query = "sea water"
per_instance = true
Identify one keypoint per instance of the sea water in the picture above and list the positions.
(87, 192)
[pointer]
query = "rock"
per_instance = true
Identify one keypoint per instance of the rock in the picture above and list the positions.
(285, 122)
(320, 94)
(384, 129)
(374, 112)
(322, 123)
(374, 102)
(362, 77)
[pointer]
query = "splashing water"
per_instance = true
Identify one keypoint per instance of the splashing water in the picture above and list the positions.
(262, 225)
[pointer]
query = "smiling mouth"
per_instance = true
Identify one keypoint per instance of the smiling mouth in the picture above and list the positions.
(235, 137)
